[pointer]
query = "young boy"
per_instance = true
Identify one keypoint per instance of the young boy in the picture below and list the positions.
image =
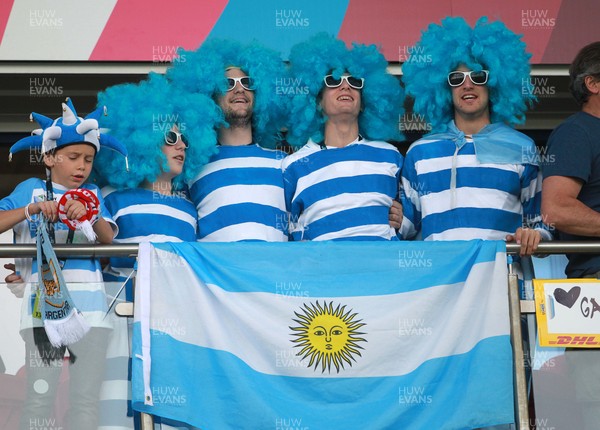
(67, 146)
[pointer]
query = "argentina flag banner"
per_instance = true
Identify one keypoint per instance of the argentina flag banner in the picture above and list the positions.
(324, 335)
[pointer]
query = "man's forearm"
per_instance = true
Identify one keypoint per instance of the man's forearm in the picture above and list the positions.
(571, 216)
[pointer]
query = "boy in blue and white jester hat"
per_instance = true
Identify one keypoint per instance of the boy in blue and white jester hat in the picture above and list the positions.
(67, 147)
(474, 177)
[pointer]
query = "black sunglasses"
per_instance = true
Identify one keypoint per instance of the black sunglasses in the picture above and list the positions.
(333, 82)
(456, 78)
(172, 136)
(246, 82)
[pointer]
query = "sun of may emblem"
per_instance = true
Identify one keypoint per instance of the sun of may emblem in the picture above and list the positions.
(327, 336)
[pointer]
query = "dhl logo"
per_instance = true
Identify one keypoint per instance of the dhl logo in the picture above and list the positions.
(565, 340)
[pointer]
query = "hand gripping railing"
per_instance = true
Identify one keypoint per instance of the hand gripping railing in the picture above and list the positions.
(516, 306)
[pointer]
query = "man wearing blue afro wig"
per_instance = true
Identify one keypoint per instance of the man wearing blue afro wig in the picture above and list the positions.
(202, 71)
(343, 182)
(476, 177)
(239, 193)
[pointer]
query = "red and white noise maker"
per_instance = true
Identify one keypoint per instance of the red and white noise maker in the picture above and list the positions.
(92, 206)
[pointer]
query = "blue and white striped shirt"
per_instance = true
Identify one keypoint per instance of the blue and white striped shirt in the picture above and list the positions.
(147, 216)
(447, 194)
(342, 193)
(83, 275)
(239, 196)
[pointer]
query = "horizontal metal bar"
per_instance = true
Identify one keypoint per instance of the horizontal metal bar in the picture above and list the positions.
(130, 250)
(559, 248)
(121, 250)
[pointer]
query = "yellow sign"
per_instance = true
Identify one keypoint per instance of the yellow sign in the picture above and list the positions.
(568, 312)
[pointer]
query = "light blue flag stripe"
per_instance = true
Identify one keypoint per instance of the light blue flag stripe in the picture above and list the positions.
(217, 390)
(378, 269)
(226, 393)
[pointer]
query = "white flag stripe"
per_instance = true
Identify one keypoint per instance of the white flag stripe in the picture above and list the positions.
(385, 318)
(141, 310)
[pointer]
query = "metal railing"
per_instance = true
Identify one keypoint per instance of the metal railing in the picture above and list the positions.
(516, 305)
(123, 250)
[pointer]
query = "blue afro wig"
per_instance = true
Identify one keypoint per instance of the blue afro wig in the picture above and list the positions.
(488, 45)
(323, 54)
(203, 71)
(139, 115)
